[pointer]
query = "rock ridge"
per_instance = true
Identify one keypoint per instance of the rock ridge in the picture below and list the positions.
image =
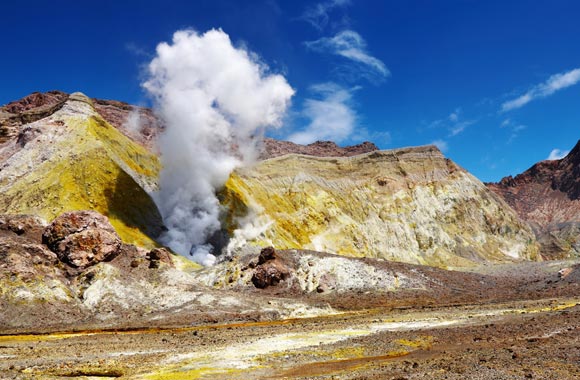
(547, 196)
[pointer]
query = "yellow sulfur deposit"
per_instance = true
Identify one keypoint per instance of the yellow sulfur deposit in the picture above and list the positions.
(410, 205)
(77, 161)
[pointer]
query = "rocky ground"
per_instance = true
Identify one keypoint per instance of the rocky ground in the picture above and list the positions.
(523, 322)
(78, 303)
(516, 340)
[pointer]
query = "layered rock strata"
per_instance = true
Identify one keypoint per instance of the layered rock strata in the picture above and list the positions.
(410, 205)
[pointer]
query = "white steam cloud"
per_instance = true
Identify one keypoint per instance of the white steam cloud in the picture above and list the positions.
(133, 122)
(215, 100)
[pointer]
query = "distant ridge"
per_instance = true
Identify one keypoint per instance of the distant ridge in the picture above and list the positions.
(547, 196)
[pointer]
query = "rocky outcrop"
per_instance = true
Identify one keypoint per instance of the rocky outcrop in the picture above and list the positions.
(29, 109)
(82, 239)
(274, 148)
(70, 158)
(409, 205)
(41, 290)
(138, 123)
(339, 279)
(547, 196)
(269, 270)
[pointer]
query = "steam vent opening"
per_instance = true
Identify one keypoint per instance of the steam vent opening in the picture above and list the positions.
(218, 241)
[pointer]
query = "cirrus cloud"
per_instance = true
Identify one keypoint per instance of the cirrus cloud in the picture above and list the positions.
(554, 83)
(317, 15)
(350, 45)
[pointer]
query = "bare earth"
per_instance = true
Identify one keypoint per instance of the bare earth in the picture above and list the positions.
(530, 328)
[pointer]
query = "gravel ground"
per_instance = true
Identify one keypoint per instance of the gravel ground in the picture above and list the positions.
(524, 322)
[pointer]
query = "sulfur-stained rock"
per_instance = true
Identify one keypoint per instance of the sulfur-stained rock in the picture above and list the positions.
(64, 156)
(410, 205)
(82, 238)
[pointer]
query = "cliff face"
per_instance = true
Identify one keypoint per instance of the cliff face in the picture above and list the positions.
(274, 148)
(409, 205)
(66, 157)
(548, 197)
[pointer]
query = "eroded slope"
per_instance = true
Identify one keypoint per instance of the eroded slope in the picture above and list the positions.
(548, 197)
(72, 159)
(410, 205)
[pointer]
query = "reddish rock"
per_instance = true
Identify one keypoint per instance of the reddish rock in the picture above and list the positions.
(82, 238)
(159, 255)
(35, 100)
(22, 224)
(547, 196)
(274, 148)
(266, 254)
(270, 270)
(144, 128)
(31, 108)
(40, 105)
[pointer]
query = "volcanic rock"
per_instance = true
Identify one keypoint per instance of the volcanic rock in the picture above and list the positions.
(159, 255)
(275, 148)
(270, 270)
(547, 196)
(411, 205)
(138, 123)
(29, 225)
(266, 254)
(82, 239)
(31, 108)
(69, 158)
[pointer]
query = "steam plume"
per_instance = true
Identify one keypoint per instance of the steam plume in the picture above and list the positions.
(215, 100)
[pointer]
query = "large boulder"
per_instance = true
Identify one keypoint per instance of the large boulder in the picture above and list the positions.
(82, 238)
(269, 270)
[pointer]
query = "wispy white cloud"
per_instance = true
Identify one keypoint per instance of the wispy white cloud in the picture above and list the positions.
(441, 144)
(454, 123)
(137, 50)
(554, 83)
(512, 126)
(516, 129)
(331, 115)
(317, 15)
(459, 127)
(454, 116)
(350, 45)
(557, 154)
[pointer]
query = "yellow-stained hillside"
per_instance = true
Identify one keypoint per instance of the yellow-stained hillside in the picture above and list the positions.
(74, 160)
(410, 205)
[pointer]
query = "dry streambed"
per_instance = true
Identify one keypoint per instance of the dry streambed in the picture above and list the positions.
(368, 343)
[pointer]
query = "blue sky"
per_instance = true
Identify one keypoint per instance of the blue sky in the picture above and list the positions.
(496, 84)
